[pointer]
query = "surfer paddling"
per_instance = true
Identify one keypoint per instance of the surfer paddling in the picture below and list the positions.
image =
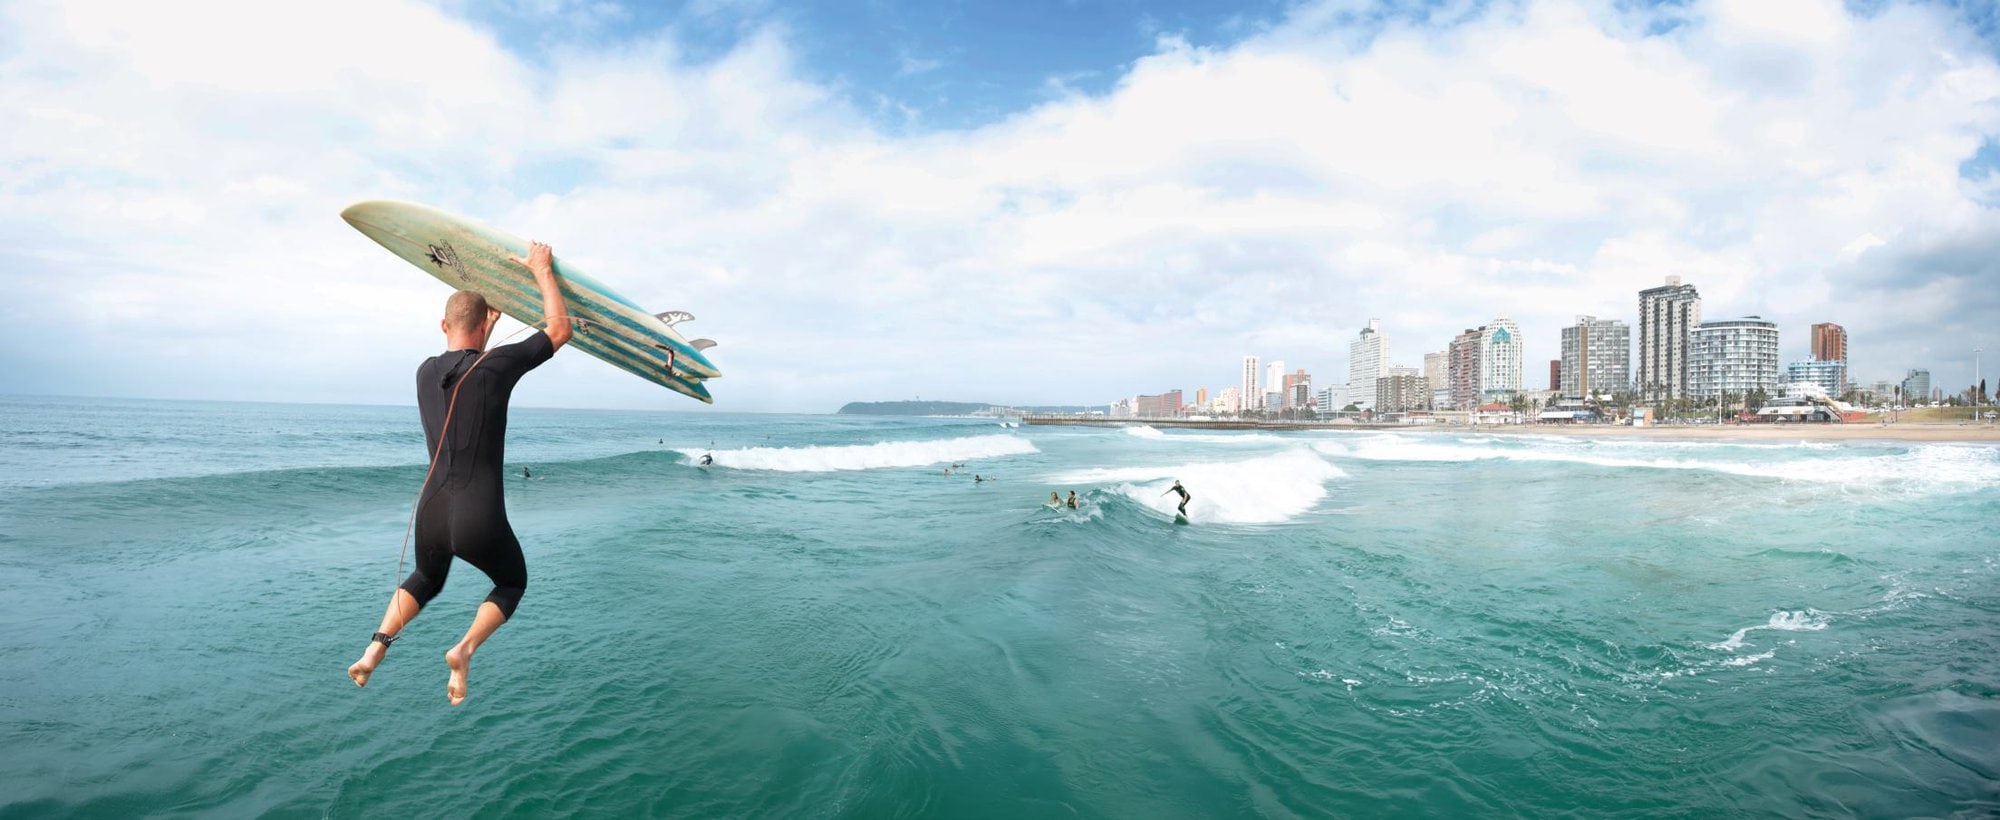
(461, 511)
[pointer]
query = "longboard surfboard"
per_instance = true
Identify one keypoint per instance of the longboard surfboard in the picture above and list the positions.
(469, 255)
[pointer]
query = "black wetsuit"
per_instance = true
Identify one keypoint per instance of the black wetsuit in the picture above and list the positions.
(462, 511)
(1185, 498)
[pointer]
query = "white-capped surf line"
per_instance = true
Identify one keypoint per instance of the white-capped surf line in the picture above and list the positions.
(1153, 434)
(877, 456)
(1922, 468)
(1262, 490)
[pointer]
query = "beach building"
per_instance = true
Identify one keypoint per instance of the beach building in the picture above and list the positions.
(1367, 360)
(1732, 356)
(1917, 386)
(1248, 388)
(1500, 365)
(1201, 397)
(1555, 375)
(1667, 318)
(1596, 357)
(1274, 382)
(1827, 377)
(1462, 369)
(1228, 400)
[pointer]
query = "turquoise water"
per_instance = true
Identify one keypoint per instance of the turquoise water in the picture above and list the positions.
(824, 624)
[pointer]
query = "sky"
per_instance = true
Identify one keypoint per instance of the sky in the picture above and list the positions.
(1009, 202)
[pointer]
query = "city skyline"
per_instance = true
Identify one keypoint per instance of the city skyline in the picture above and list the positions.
(876, 201)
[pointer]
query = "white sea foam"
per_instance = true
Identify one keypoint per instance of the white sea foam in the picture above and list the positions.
(1260, 490)
(1928, 467)
(876, 456)
(1153, 434)
(1805, 620)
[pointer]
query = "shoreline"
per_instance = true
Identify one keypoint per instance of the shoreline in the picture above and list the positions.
(1928, 432)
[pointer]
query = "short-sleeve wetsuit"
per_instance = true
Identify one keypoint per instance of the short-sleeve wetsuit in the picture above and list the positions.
(462, 511)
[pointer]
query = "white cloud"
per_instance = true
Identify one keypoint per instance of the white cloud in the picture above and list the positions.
(175, 178)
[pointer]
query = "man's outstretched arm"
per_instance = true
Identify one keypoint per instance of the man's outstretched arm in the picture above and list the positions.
(555, 311)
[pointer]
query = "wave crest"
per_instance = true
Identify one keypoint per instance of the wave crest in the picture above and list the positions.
(1262, 490)
(877, 456)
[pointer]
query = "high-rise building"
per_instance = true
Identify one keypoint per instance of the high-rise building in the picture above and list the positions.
(1298, 389)
(1329, 398)
(1230, 400)
(1274, 382)
(1829, 342)
(1732, 356)
(1201, 397)
(1667, 317)
(1367, 360)
(1823, 375)
(1436, 367)
(1462, 369)
(1596, 357)
(1500, 362)
(1917, 386)
(1249, 391)
(1556, 376)
(1163, 406)
(1401, 391)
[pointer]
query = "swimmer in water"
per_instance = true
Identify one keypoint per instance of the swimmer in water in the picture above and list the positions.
(1055, 499)
(526, 474)
(1072, 499)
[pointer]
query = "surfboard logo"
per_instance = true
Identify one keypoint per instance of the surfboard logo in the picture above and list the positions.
(445, 256)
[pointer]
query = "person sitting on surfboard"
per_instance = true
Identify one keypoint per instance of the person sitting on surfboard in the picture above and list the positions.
(462, 396)
(1072, 499)
(1185, 498)
(1055, 499)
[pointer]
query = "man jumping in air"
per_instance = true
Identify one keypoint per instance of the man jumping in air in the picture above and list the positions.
(461, 512)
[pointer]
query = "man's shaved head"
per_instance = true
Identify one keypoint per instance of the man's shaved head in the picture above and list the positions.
(465, 311)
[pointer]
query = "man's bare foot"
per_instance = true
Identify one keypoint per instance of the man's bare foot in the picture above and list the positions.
(460, 661)
(370, 658)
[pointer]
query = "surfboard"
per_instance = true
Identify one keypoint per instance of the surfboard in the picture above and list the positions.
(1180, 519)
(469, 255)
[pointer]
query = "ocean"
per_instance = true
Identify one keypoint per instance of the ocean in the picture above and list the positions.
(825, 624)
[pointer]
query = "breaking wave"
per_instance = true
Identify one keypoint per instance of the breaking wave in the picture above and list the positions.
(1262, 490)
(1922, 467)
(881, 455)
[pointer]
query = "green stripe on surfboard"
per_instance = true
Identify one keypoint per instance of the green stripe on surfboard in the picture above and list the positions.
(469, 255)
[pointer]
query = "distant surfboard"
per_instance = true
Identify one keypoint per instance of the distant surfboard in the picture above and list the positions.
(468, 255)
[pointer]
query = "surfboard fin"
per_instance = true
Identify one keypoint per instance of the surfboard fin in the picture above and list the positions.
(702, 344)
(674, 317)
